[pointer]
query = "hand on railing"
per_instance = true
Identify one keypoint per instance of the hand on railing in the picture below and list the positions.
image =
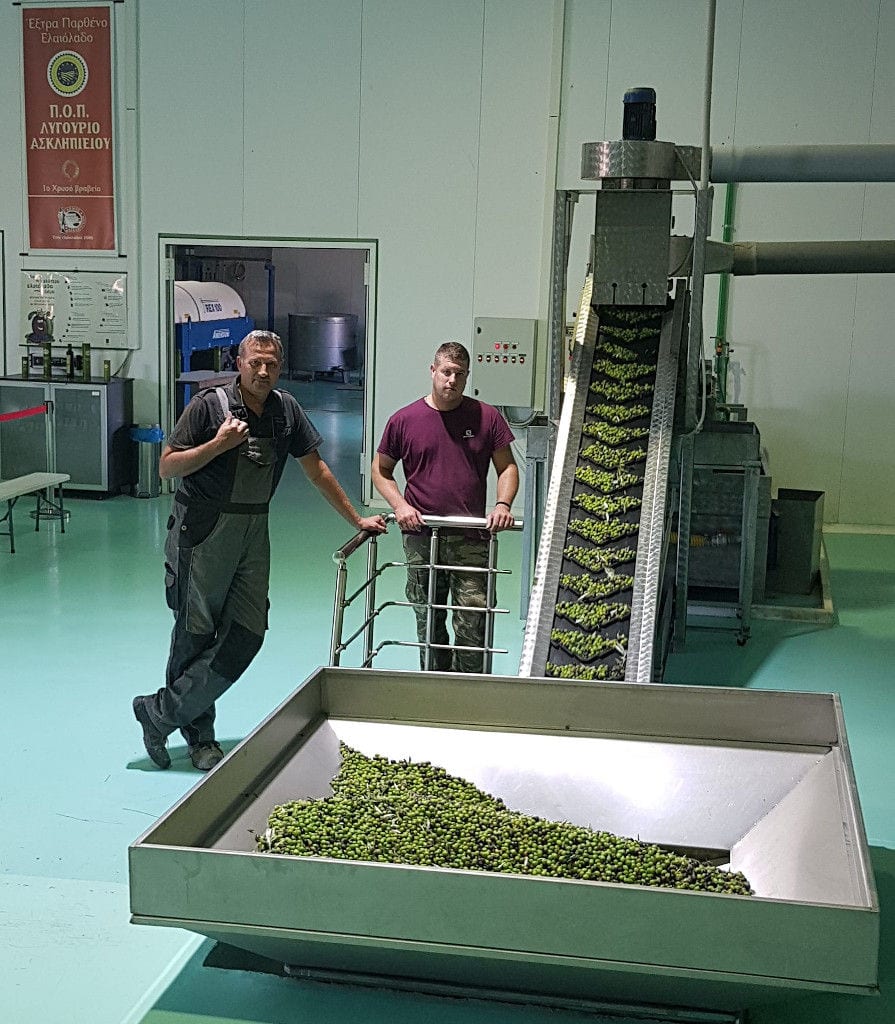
(500, 518)
(373, 524)
(362, 536)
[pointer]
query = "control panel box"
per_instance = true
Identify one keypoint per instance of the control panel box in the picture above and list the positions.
(503, 360)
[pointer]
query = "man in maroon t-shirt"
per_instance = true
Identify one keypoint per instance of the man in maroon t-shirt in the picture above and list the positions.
(445, 443)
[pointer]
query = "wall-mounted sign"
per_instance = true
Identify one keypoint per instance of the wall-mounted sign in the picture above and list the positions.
(74, 307)
(67, 77)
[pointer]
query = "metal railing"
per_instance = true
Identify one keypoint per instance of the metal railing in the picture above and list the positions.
(367, 591)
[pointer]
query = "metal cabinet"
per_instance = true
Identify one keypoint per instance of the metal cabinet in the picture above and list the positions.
(84, 433)
(23, 442)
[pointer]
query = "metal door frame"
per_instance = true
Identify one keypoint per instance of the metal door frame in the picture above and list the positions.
(167, 349)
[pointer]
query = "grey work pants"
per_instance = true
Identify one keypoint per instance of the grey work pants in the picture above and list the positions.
(464, 588)
(217, 590)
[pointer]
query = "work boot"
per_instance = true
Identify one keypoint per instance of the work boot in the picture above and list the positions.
(206, 755)
(154, 740)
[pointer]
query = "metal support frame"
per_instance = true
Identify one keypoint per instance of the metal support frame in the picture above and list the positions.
(684, 517)
(599, 1010)
(751, 471)
(338, 645)
(563, 217)
(537, 453)
(430, 597)
(691, 421)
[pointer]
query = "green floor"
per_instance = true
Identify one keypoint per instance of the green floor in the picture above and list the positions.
(85, 627)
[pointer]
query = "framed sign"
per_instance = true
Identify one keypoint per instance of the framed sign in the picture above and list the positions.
(67, 79)
(71, 307)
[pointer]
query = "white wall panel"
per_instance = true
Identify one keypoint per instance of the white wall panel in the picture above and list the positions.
(191, 118)
(514, 155)
(302, 106)
(882, 118)
(420, 101)
(790, 211)
(585, 61)
(868, 479)
(12, 154)
(802, 77)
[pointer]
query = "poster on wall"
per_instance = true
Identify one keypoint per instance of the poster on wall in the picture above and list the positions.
(67, 78)
(73, 307)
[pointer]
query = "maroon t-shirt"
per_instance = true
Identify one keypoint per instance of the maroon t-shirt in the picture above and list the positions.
(446, 455)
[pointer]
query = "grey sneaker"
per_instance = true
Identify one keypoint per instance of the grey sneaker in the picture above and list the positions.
(154, 740)
(206, 755)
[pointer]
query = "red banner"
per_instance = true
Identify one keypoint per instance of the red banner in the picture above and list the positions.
(67, 69)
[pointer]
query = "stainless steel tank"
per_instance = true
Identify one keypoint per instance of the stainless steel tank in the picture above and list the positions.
(322, 342)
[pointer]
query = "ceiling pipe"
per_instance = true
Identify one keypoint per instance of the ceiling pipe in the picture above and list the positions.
(803, 163)
(868, 257)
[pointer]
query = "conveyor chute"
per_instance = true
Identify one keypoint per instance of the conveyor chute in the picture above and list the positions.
(598, 594)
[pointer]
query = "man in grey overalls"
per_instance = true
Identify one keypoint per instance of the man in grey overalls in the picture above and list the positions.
(228, 449)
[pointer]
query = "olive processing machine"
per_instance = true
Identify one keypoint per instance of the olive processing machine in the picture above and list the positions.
(757, 780)
(609, 598)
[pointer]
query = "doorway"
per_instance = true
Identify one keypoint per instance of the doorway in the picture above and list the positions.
(315, 294)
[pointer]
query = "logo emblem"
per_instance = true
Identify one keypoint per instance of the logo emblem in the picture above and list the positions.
(71, 218)
(67, 73)
(469, 433)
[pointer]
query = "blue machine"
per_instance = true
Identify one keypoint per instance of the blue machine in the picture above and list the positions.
(192, 337)
(207, 315)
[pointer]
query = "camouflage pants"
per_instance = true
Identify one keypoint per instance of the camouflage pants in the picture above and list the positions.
(464, 588)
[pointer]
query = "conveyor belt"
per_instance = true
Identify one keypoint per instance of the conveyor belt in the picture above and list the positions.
(599, 571)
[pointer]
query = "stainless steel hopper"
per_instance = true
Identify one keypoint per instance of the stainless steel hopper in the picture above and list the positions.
(758, 779)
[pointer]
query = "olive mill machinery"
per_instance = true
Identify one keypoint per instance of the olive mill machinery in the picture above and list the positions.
(757, 781)
(637, 463)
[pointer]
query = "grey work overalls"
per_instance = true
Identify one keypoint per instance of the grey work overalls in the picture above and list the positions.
(217, 571)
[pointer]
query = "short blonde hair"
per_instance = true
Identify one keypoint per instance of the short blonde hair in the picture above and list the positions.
(454, 351)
